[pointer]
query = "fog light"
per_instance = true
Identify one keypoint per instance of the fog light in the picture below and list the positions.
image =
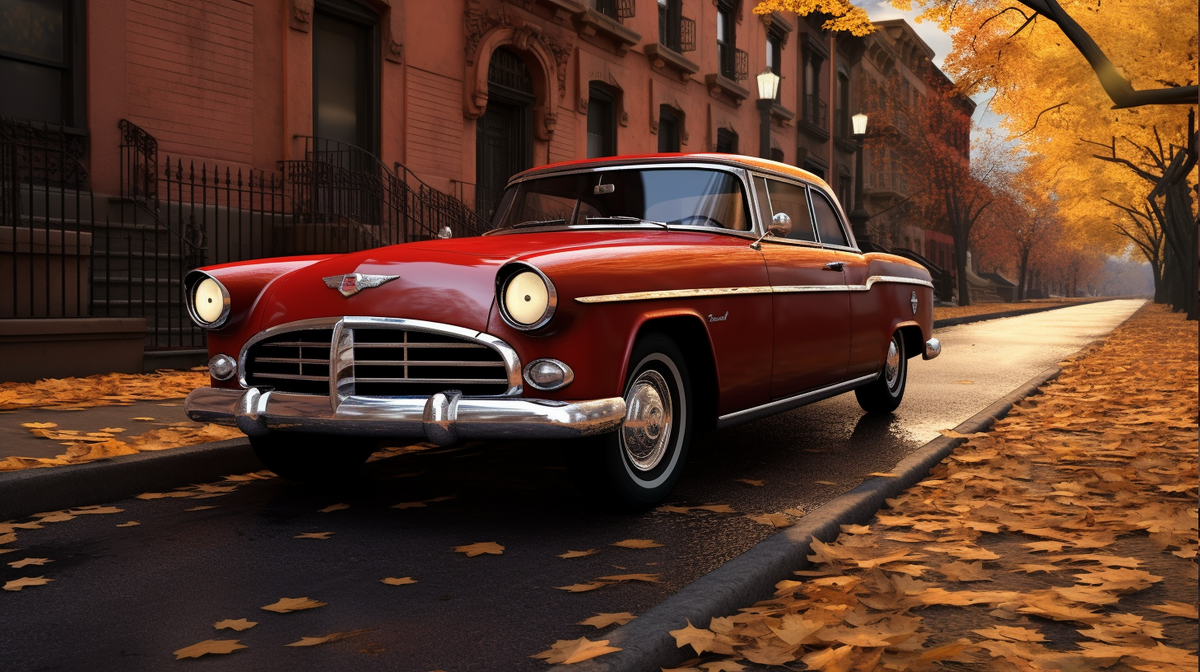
(548, 374)
(222, 367)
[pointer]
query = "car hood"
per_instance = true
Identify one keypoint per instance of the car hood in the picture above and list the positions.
(449, 281)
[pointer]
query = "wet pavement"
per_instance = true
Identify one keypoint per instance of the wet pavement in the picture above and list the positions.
(124, 598)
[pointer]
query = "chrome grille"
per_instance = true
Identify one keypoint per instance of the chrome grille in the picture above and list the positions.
(294, 361)
(387, 361)
(422, 363)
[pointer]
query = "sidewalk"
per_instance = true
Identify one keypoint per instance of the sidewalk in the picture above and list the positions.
(1063, 539)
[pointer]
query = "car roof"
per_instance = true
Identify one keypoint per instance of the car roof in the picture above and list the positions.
(736, 160)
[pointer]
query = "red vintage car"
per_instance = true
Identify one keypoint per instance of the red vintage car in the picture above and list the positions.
(624, 303)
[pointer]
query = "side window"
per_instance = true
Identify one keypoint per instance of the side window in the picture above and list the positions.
(827, 221)
(776, 196)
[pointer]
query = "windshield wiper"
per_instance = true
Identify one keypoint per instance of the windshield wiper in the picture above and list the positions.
(538, 222)
(625, 218)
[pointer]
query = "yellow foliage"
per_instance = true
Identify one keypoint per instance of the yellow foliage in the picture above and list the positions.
(844, 17)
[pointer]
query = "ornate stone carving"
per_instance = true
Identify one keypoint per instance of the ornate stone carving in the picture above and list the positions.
(561, 48)
(394, 51)
(528, 34)
(300, 15)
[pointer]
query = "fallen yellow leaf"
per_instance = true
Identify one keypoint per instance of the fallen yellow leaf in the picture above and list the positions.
(39, 425)
(201, 508)
(481, 548)
(567, 652)
(132, 523)
(143, 419)
(230, 624)
(604, 620)
(582, 587)
(287, 604)
(651, 578)
(579, 554)
(18, 584)
(334, 507)
(1181, 609)
(772, 519)
(314, 535)
(637, 543)
(825, 483)
(209, 646)
(334, 637)
(402, 581)
(94, 509)
(29, 561)
(751, 481)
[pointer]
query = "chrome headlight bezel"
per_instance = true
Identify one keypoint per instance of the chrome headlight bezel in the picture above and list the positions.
(190, 283)
(505, 276)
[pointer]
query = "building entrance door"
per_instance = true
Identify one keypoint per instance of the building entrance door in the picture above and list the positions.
(503, 135)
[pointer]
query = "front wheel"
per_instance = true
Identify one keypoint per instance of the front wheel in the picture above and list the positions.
(883, 395)
(636, 466)
(311, 458)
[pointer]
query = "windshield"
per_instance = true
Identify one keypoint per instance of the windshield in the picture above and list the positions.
(671, 196)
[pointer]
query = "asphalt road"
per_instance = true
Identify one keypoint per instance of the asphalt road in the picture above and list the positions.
(125, 598)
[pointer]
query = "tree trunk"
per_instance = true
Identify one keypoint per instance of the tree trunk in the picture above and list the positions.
(1023, 277)
(1156, 274)
(960, 264)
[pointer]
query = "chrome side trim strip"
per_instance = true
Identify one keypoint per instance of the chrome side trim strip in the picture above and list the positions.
(771, 408)
(762, 289)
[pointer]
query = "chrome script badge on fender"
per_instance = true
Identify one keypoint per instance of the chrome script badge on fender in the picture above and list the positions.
(352, 283)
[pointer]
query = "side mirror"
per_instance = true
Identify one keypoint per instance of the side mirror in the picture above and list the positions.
(781, 225)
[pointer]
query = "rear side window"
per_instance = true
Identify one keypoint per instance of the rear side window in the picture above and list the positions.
(828, 224)
(776, 196)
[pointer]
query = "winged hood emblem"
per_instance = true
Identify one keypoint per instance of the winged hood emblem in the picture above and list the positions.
(352, 283)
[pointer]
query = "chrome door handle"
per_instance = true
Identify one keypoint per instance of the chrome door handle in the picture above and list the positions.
(835, 266)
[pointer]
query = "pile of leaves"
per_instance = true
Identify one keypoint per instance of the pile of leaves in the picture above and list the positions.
(1052, 542)
(102, 390)
(85, 447)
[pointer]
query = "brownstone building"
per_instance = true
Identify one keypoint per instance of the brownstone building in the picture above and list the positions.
(157, 135)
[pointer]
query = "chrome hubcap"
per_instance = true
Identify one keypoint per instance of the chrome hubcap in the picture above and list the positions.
(646, 432)
(891, 369)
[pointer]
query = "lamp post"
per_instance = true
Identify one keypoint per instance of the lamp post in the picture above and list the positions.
(859, 216)
(768, 88)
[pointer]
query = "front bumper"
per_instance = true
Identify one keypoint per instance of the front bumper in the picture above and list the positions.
(443, 418)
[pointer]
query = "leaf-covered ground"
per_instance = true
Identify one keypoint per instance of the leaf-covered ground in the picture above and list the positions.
(102, 390)
(1063, 539)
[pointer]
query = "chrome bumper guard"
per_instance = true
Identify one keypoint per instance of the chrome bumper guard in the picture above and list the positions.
(933, 348)
(443, 418)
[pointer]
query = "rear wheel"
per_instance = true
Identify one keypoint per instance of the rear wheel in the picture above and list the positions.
(636, 466)
(883, 395)
(311, 458)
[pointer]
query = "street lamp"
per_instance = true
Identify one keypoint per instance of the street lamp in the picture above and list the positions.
(859, 216)
(768, 89)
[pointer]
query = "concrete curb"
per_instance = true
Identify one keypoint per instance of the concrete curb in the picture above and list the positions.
(646, 643)
(968, 319)
(32, 491)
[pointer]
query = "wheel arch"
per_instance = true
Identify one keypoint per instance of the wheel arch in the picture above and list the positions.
(688, 331)
(914, 340)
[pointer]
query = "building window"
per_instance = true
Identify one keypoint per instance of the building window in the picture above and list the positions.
(668, 129)
(775, 55)
(814, 110)
(843, 106)
(601, 122)
(42, 61)
(815, 169)
(777, 154)
(727, 141)
(726, 39)
(346, 74)
(670, 18)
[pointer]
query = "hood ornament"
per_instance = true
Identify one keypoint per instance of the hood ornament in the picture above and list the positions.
(352, 283)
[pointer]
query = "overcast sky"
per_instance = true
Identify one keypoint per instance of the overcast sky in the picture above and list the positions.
(882, 10)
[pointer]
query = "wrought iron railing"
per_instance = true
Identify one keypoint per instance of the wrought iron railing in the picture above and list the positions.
(46, 213)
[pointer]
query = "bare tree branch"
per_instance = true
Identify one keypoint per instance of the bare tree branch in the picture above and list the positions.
(1039, 118)
(1027, 22)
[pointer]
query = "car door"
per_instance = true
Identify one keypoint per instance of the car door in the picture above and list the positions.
(867, 337)
(810, 303)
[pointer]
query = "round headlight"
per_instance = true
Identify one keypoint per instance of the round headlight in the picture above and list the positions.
(527, 298)
(209, 301)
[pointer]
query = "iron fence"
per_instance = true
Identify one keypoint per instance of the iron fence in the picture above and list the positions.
(46, 212)
(66, 252)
